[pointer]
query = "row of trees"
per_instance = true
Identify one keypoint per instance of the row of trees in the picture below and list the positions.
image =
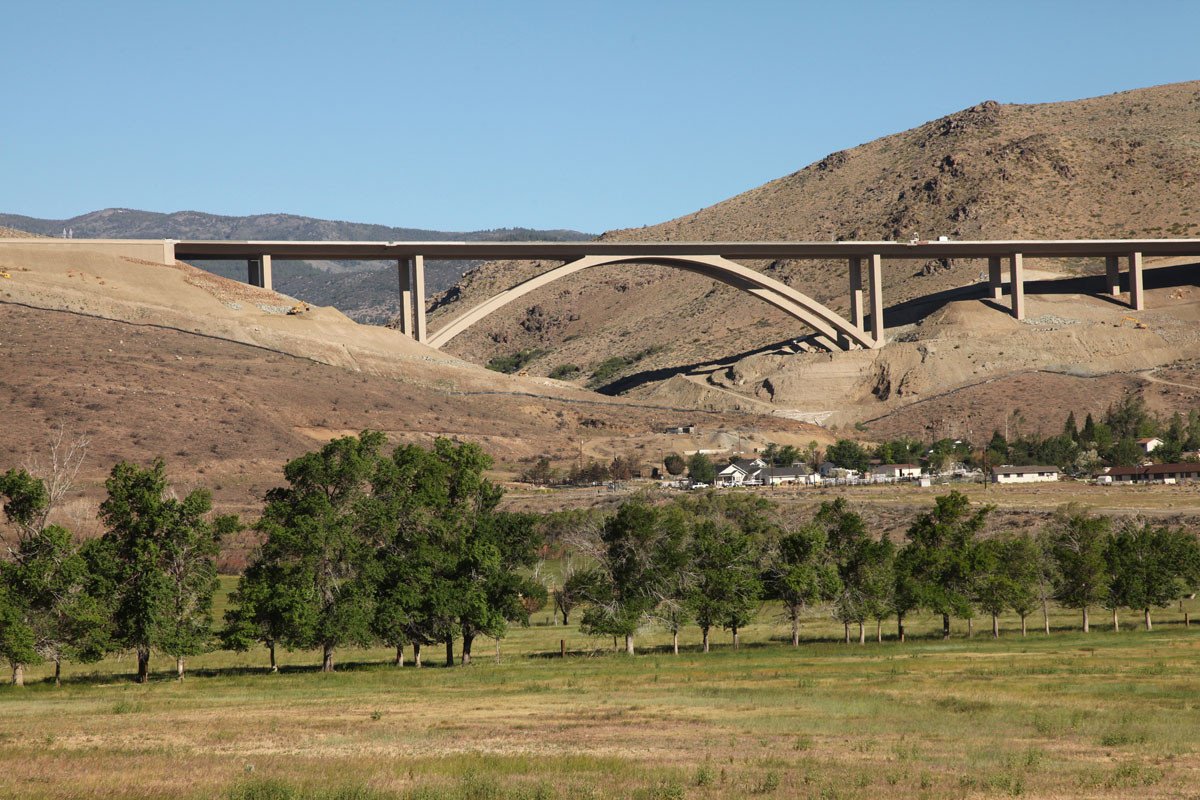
(360, 547)
(713, 561)
(409, 548)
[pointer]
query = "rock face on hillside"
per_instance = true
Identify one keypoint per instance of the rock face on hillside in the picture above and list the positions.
(1124, 165)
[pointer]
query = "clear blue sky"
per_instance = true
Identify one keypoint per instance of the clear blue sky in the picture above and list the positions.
(467, 115)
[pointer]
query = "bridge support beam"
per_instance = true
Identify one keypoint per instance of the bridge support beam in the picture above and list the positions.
(1136, 300)
(857, 315)
(1017, 278)
(875, 263)
(1112, 275)
(995, 278)
(404, 273)
(411, 272)
(258, 272)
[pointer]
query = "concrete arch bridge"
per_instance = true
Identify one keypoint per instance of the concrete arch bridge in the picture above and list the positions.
(715, 260)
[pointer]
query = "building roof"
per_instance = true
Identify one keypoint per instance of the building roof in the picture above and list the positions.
(889, 467)
(1028, 469)
(1148, 441)
(1189, 467)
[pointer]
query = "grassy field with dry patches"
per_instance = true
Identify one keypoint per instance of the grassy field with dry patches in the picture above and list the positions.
(1066, 715)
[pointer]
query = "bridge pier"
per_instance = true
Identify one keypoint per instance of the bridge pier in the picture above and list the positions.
(857, 316)
(411, 273)
(875, 262)
(995, 278)
(1136, 300)
(258, 271)
(1112, 275)
(1016, 270)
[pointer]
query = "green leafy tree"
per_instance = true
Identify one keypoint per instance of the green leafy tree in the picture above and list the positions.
(848, 454)
(315, 536)
(1150, 566)
(1076, 542)
(701, 469)
(262, 608)
(938, 559)
(158, 562)
(799, 573)
(727, 587)
(674, 463)
(628, 582)
(1006, 577)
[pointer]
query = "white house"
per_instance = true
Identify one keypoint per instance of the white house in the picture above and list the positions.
(795, 474)
(1149, 445)
(741, 473)
(895, 472)
(1026, 474)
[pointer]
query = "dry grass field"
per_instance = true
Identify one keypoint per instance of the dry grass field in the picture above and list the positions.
(1066, 715)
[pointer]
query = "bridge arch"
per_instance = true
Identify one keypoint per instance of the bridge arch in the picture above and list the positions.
(800, 306)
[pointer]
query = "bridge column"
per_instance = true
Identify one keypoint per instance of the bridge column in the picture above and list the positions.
(1136, 301)
(1017, 278)
(875, 263)
(995, 278)
(1112, 274)
(404, 271)
(259, 271)
(856, 293)
(418, 300)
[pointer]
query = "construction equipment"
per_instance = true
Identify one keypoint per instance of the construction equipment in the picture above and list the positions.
(1136, 324)
(299, 308)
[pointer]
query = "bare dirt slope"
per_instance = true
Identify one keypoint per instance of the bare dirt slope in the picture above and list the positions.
(1115, 166)
(152, 361)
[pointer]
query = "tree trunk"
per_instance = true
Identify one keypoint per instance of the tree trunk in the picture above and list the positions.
(900, 627)
(449, 652)
(862, 632)
(675, 642)
(879, 630)
(466, 654)
(795, 630)
(1116, 622)
(274, 666)
(846, 628)
(945, 626)
(143, 658)
(327, 659)
(58, 671)
(416, 654)
(399, 655)
(735, 637)
(179, 666)
(18, 673)
(1148, 627)
(1022, 625)
(629, 644)
(970, 627)
(995, 627)
(1086, 629)
(1045, 613)
(704, 631)
(564, 616)
(497, 651)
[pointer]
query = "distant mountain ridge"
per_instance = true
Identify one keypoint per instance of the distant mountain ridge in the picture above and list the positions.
(365, 291)
(126, 223)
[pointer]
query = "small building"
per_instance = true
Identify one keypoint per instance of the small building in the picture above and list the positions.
(796, 474)
(896, 472)
(1149, 445)
(1154, 473)
(1024, 474)
(742, 473)
(689, 428)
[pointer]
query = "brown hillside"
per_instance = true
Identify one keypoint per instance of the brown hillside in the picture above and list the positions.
(1114, 166)
(212, 375)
